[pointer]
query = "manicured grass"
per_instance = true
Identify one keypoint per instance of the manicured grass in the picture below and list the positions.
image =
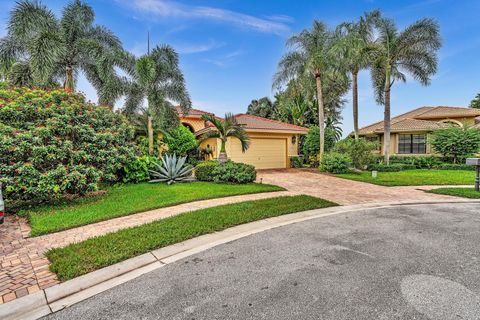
(128, 199)
(458, 192)
(92, 254)
(414, 177)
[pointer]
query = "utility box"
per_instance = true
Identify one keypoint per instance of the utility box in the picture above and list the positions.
(475, 162)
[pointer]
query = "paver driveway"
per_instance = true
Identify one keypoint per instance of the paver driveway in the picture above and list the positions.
(345, 191)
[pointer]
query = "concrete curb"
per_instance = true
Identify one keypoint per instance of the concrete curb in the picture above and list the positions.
(65, 294)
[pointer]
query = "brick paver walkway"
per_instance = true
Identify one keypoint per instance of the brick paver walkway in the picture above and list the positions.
(24, 268)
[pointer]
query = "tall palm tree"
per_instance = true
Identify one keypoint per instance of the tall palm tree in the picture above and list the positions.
(413, 51)
(311, 56)
(48, 49)
(354, 45)
(156, 77)
(228, 127)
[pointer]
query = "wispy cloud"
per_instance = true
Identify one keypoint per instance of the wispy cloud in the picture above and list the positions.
(166, 8)
(225, 60)
(197, 48)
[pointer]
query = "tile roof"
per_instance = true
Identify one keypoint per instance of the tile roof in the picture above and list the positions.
(417, 119)
(258, 123)
(193, 112)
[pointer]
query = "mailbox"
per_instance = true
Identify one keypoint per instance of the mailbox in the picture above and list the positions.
(475, 162)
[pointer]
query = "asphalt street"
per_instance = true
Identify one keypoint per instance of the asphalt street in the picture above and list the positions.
(406, 262)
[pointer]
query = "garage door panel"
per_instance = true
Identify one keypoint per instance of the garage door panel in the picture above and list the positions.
(262, 153)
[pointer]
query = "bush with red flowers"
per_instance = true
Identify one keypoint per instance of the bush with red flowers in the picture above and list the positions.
(54, 143)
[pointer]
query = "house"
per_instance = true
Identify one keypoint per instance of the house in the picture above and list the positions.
(409, 131)
(272, 142)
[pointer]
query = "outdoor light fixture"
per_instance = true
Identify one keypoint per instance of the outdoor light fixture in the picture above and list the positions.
(475, 162)
(294, 139)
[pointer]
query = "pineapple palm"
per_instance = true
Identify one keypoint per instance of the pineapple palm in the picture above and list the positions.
(228, 127)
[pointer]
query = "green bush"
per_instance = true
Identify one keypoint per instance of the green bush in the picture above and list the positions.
(204, 170)
(229, 172)
(181, 142)
(456, 143)
(54, 143)
(136, 171)
(334, 162)
(296, 162)
(454, 166)
(311, 144)
(394, 167)
(360, 151)
(420, 162)
(234, 172)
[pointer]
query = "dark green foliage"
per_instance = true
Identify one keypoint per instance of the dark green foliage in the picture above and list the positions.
(420, 162)
(181, 142)
(137, 170)
(334, 162)
(54, 143)
(262, 107)
(296, 162)
(394, 167)
(234, 172)
(204, 170)
(95, 253)
(456, 143)
(360, 151)
(454, 166)
(475, 103)
(311, 145)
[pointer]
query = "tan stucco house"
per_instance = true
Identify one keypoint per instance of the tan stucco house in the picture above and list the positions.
(409, 131)
(272, 142)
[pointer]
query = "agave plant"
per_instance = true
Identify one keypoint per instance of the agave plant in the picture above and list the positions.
(171, 170)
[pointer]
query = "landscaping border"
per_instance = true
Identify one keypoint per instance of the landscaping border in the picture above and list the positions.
(65, 294)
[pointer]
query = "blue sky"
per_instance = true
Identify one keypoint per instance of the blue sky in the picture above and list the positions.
(229, 49)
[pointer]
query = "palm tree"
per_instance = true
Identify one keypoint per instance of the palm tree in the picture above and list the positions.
(262, 107)
(412, 51)
(354, 44)
(156, 78)
(47, 49)
(311, 57)
(228, 127)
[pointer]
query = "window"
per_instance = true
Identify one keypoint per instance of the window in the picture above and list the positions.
(412, 143)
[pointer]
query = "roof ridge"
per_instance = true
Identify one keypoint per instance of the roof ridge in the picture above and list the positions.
(394, 118)
(271, 120)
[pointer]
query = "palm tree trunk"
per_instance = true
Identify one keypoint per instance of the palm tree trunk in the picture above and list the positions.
(222, 156)
(321, 115)
(150, 135)
(68, 86)
(386, 119)
(355, 103)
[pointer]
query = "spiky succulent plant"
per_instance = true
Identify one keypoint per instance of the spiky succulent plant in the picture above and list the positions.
(171, 170)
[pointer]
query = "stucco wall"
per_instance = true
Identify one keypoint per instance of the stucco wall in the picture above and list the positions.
(196, 123)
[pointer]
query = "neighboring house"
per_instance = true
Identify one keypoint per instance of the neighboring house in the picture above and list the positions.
(409, 131)
(272, 142)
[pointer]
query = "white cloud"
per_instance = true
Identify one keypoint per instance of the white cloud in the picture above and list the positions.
(225, 60)
(196, 48)
(166, 8)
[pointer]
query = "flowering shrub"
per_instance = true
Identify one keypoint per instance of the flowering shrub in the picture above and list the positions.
(54, 143)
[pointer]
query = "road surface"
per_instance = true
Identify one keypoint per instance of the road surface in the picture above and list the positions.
(406, 262)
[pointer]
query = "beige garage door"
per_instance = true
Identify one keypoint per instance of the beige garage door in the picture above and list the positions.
(262, 153)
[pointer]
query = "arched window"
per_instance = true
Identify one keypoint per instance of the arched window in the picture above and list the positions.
(189, 126)
(453, 123)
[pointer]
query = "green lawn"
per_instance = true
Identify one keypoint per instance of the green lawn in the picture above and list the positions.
(458, 192)
(415, 177)
(128, 199)
(92, 254)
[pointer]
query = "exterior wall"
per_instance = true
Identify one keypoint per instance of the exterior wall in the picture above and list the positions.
(196, 123)
(394, 138)
(462, 121)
